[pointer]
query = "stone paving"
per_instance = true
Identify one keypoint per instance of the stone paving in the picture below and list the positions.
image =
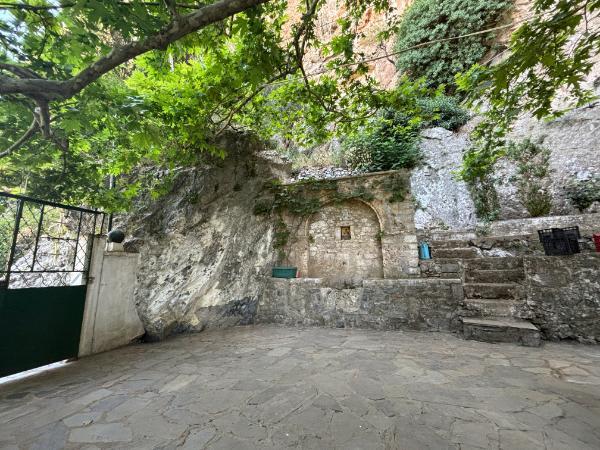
(272, 387)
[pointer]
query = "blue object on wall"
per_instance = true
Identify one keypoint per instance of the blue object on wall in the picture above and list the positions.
(424, 251)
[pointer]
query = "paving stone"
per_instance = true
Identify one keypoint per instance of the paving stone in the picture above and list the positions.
(522, 440)
(197, 438)
(126, 409)
(279, 351)
(93, 396)
(109, 433)
(327, 403)
(151, 424)
(319, 388)
(178, 383)
(469, 434)
(53, 436)
(81, 419)
(573, 370)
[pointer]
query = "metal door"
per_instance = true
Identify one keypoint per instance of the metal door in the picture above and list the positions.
(45, 250)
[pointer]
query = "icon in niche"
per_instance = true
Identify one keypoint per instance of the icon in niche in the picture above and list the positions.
(345, 234)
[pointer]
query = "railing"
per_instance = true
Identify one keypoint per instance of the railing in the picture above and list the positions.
(44, 243)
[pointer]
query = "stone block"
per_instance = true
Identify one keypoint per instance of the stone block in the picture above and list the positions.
(501, 330)
(114, 247)
(452, 267)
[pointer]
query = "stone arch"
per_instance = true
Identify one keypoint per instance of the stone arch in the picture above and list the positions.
(339, 261)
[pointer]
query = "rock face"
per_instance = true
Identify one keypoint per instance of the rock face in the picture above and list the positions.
(204, 254)
(327, 26)
(563, 296)
(573, 142)
(441, 201)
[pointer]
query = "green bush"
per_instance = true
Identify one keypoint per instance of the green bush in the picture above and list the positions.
(533, 169)
(584, 192)
(428, 20)
(389, 142)
(485, 198)
(445, 112)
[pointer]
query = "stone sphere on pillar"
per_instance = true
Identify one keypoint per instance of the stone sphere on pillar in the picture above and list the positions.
(116, 235)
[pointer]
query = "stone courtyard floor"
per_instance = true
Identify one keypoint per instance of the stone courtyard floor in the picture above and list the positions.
(271, 387)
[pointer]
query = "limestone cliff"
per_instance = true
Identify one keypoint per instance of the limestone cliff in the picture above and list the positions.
(204, 254)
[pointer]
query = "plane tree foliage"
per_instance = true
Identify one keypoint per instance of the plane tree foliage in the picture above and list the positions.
(96, 88)
(91, 89)
(543, 74)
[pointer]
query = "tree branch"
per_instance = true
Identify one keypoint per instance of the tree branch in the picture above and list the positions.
(179, 27)
(26, 7)
(172, 7)
(21, 72)
(35, 8)
(33, 128)
(226, 122)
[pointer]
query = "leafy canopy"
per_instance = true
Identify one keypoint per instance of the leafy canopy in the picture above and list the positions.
(171, 95)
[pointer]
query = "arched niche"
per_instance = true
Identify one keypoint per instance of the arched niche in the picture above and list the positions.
(344, 243)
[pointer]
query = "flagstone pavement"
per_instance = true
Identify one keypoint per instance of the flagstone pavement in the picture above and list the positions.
(269, 387)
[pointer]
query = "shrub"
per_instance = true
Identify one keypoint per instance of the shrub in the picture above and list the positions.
(533, 168)
(446, 112)
(389, 142)
(485, 198)
(584, 192)
(428, 20)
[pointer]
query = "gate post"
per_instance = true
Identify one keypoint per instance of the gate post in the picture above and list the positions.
(13, 245)
(110, 318)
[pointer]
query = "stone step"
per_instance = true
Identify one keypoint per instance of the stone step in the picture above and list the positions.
(478, 307)
(451, 235)
(494, 275)
(449, 244)
(501, 329)
(491, 290)
(461, 252)
(494, 263)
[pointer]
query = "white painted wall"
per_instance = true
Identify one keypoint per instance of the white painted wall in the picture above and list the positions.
(110, 319)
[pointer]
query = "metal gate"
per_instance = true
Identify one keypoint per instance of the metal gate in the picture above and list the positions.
(45, 251)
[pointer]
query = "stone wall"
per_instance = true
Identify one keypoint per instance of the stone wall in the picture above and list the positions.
(345, 261)
(588, 224)
(411, 304)
(563, 296)
(382, 244)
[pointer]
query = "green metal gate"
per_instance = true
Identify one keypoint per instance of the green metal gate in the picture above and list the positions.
(45, 251)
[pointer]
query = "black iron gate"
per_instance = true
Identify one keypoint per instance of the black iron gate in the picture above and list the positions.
(45, 251)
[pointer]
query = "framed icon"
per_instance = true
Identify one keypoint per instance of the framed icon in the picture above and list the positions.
(345, 234)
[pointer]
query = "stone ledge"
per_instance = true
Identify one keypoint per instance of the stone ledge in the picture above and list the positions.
(320, 282)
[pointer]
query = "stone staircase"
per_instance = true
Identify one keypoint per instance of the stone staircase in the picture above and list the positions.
(492, 293)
